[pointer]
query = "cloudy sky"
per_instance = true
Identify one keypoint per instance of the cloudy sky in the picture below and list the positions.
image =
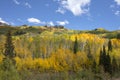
(73, 14)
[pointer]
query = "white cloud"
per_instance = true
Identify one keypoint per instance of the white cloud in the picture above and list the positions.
(16, 2)
(117, 13)
(34, 20)
(51, 23)
(117, 1)
(60, 10)
(22, 3)
(2, 21)
(28, 5)
(62, 22)
(77, 7)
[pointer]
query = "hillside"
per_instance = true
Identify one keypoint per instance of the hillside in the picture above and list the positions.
(24, 29)
(50, 53)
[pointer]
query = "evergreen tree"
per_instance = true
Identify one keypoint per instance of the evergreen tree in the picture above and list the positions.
(105, 61)
(94, 65)
(75, 49)
(9, 47)
(108, 66)
(100, 58)
(109, 45)
(114, 65)
(8, 70)
(104, 51)
(104, 57)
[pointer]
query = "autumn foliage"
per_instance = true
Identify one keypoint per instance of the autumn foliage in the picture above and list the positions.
(64, 52)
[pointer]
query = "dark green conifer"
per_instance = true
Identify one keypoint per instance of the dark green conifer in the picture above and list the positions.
(105, 61)
(109, 45)
(108, 66)
(94, 65)
(75, 49)
(9, 47)
(100, 58)
(114, 65)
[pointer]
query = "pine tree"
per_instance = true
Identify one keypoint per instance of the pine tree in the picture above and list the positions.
(75, 49)
(94, 66)
(109, 45)
(7, 67)
(105, 61)
(9, 47)
(104, 57)
(108, 66)
(114, 65)
(100, 58)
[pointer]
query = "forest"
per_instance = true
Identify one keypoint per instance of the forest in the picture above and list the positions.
(47, 53)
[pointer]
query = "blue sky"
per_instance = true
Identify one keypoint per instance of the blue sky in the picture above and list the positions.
(73, 14)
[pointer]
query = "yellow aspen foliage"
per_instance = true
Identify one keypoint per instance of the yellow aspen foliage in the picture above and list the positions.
(83, 36)
(28, 63)
(60, 56)
(116, 43)
(1, 57)
(19, 63)
(116, 53)
(42, 64)
(24, 63)
(43, 49)
(22, 52)
(30, 39)
(61, 60)
(79, 60)
(88, 37)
